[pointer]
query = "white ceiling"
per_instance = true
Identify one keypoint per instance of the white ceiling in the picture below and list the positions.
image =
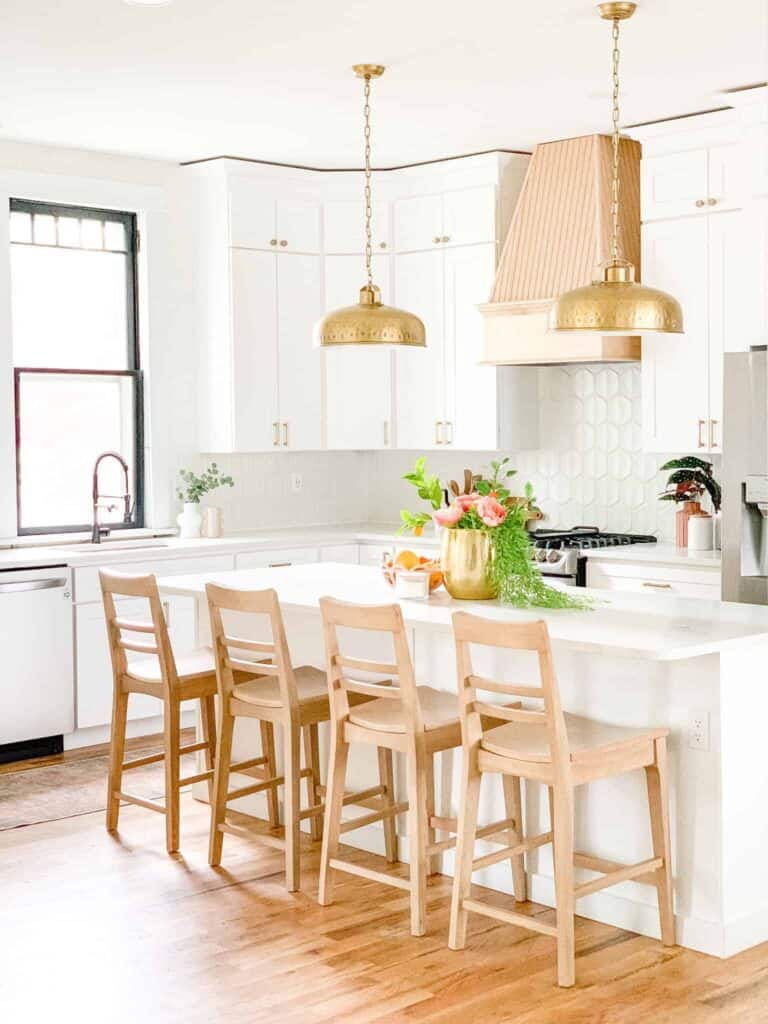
(270, 78)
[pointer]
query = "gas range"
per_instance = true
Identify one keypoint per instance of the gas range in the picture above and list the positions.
(563, 553)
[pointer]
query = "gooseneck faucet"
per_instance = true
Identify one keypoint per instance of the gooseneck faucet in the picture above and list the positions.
(99, 531)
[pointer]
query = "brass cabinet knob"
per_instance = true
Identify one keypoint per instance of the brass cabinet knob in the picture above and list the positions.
(699, 202)
(283, 242)
(436, 239)
(445, 238)
(711, 202)
(273, 241)
(382, 245)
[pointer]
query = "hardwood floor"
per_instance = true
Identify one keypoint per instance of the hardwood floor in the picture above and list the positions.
(111, 929)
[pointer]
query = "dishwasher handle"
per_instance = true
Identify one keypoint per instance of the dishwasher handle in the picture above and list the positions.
(17, 586)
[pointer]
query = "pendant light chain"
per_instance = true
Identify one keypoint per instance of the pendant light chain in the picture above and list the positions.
(615, 118)
(368, 207)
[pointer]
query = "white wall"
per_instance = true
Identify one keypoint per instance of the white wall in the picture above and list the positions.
(152, 190)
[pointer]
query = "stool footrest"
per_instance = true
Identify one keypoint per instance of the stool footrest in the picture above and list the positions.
(389, 811)
(312, 812)
(244, 766)
(149, 805)
(621, 874)
(258, 787)
(511, 851)
(201, 777)
(140, 762)
(249, 833)
(509, 917)
(372, 876)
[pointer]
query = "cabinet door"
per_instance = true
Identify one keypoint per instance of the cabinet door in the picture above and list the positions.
(469, 215)
(470, 388)
(419, 372)
(673, 185)
(727, 177)
(418, 222)
(299, 306)
(254, 343)
(252, 223)
(675, 367)
(344, 226)
(358, 380)
(298, 225)
(735, 293)
(277, 558)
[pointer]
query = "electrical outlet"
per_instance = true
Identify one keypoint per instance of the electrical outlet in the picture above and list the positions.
(296, 482)
(698, 730)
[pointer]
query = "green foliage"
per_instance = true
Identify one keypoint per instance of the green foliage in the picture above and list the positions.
(691, 478)
(427, 487)
(192, 487)
(413, 520)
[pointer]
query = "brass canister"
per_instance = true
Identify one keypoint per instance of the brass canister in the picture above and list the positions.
(465, 560)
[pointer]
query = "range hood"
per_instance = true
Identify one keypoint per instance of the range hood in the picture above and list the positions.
(560, 231)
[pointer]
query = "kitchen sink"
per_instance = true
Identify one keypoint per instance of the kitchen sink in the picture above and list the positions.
(118, 545)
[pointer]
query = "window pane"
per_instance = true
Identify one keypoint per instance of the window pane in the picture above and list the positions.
(114, 235)
(44, 227)
(21, 226)
(69, 231)
(93, 237)
(69, 308)
(66, 421)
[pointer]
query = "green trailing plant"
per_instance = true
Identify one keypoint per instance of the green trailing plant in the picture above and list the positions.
(691, 478)
(192, 487)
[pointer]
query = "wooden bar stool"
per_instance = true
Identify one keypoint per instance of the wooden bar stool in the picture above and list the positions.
(158, 674)
(562, 751)
(418, 721)
(274, 693)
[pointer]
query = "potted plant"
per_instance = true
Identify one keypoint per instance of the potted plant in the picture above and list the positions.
(689, 480)
(190, 490)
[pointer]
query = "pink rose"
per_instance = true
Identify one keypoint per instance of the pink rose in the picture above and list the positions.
(491, 511)
(448, 516)
(466, 501)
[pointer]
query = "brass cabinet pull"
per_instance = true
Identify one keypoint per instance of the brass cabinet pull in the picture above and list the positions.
(711, 202)
(273, 241)
(445, 238)
(278, 565)
(658, 586)
(285, 435)
(712, 442)
(449, 426)
(276, 434)
(436, 239)
(438, 439)
(702, 443)
(386, 433)
(382, 245)
(283, 242)
(699, 202)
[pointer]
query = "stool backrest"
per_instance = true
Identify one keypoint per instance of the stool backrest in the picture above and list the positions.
(363, 676)
(519, 636)
(157, 643)
(234, 653)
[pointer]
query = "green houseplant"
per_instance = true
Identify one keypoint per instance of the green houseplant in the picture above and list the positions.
(191, 489)
(691, 478)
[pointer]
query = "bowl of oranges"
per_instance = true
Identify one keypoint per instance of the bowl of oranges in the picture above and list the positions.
(410, 562)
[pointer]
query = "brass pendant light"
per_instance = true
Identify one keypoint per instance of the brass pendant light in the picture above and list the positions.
(369, 322)
(614, 303)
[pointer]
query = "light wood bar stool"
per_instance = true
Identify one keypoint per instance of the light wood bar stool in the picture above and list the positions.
(276, 694)
(418, 721)
(562, 751)
(158, 674)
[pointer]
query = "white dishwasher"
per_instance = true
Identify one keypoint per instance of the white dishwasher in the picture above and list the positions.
(37, 678)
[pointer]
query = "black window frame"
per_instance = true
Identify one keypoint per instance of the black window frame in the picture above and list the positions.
(133, 361)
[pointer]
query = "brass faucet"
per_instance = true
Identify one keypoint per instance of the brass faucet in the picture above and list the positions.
(101, 531)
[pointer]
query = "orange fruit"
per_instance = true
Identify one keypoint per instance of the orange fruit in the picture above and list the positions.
(407, 559)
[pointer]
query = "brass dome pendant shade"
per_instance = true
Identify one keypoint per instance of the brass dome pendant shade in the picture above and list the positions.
(614, 303)
(369, 322)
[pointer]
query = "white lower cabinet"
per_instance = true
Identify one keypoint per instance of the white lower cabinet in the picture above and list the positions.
(275, 559)
(347, 553)
(372, 554)
(651, 578)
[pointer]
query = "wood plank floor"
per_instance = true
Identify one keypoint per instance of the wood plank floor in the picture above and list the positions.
(110, 929)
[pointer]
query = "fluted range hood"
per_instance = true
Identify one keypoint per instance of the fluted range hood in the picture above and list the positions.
(560, 232)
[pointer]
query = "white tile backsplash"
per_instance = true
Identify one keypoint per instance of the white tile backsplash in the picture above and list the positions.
(589, 470)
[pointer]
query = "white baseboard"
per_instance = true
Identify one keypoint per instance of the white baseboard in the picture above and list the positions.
(137, 727)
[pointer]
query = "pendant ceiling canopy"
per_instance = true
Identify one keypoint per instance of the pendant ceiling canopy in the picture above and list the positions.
(614, 303)
(369, 322)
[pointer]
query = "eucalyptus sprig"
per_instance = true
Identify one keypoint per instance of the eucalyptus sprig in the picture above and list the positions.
(193, 487)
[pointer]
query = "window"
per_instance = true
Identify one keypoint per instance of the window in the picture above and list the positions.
(78, 384)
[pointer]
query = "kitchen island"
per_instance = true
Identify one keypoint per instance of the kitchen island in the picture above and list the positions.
(695, 666)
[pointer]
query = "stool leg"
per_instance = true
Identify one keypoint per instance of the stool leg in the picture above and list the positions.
(268, 751)
(433, 861)
(292, 805)
(208, 724)
(564, 899)
(387, 779)
(116, 757)
(312, 760)
(514, 808)
(172, 735)
(220, 784)
(656, 778)
(334, 802)
(416, 768)
(471, 778)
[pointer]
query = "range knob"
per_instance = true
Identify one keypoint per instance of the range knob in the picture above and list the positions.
(553, 556)
(541, 555)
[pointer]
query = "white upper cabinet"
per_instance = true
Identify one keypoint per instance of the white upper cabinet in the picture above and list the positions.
(692, 182)
(299, 306)
(298, 225)
(358, 380)
(454, 217)
(344, 226)
(258, 220)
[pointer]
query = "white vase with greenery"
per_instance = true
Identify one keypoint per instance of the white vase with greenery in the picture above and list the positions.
(190, 490)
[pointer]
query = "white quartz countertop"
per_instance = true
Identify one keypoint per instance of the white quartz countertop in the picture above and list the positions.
(656, 627)
(658, 554)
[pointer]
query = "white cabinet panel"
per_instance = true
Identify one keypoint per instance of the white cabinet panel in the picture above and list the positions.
(358, 381)
(675, 368)
(470, 388)
(372, 554)
(420, 373)
(252, 221)
(469, 215)
(674, 184)
(347, 553)
(344, 229)
(418, 222)
(727, 177)
(276, 558)
(86, 579)
(298, 225)
(730, 308)
(255, 408)
(299, 305)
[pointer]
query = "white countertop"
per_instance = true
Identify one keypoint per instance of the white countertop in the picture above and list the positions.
(659, 554)
(656, 627)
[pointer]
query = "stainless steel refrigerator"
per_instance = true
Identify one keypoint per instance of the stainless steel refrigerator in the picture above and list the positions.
(745, 477)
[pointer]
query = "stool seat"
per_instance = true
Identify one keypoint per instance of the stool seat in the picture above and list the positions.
(194, 665)
(264, 691)
(438, 709)
(586, 737)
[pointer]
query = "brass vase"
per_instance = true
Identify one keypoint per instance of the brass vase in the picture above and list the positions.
(466, 560)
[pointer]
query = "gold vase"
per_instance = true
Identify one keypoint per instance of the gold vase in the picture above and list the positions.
(466, 560)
